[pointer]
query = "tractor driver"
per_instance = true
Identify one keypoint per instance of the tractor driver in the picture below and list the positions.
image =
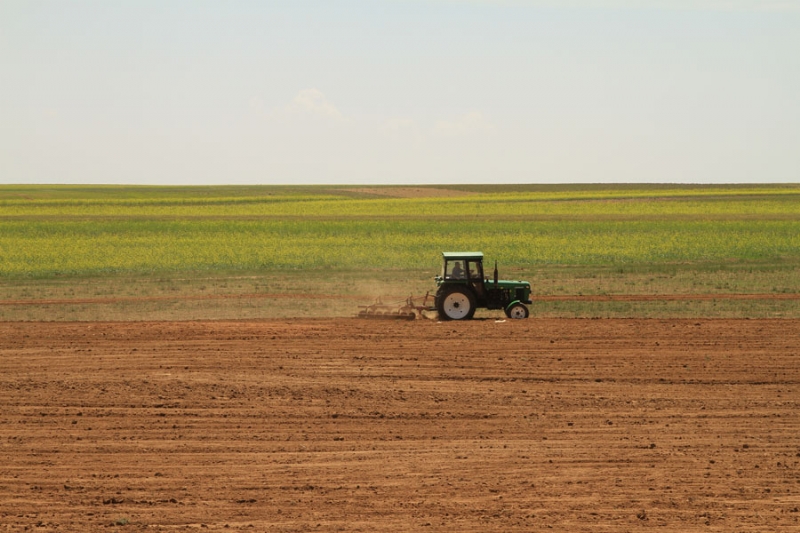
(458, 272)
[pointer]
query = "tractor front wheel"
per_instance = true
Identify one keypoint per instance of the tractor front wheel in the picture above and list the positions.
(517, 310)
(456, 304)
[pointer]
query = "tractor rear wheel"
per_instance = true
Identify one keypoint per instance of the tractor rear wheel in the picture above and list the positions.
(517, 310)
(457, 303)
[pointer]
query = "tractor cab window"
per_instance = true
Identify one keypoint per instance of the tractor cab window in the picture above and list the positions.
(463, 269)
(454, 270)
(475, 270)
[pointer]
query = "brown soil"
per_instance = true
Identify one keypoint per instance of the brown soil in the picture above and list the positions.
(358, 425)
(183, 297)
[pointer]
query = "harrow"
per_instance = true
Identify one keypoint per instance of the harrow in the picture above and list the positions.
(406, 310)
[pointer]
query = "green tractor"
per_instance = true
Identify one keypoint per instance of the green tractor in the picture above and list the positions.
(462, 288)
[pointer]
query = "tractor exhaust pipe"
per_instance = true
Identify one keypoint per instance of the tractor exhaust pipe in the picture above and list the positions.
(495, 274)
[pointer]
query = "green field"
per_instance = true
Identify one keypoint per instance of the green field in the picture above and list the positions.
(79, 242)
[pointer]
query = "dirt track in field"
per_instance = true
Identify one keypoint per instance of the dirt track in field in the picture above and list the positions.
(35, 302)
(356, 425)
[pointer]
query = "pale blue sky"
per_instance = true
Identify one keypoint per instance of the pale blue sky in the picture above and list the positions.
(399, 91)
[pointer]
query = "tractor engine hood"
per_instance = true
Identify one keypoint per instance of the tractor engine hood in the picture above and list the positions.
(505, 284)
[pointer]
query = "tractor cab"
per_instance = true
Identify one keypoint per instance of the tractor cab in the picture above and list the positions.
(464, 265)
(462, 287)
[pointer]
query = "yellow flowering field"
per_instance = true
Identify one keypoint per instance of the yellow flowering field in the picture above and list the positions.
(48, 231)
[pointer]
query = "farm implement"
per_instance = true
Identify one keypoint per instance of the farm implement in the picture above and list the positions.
(407, 310)
(461, 289)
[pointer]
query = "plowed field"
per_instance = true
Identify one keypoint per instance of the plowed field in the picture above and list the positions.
(356, 425)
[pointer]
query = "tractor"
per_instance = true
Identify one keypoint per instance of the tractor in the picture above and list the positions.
(462, 288)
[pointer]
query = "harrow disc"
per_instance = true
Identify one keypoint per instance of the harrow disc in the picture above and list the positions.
(386, 313)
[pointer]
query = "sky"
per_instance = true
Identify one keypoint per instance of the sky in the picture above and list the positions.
(201, 92)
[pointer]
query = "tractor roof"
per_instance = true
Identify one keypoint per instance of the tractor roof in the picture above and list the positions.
(464, 256)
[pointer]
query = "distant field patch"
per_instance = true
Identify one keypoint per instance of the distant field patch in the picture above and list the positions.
(410, 192)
